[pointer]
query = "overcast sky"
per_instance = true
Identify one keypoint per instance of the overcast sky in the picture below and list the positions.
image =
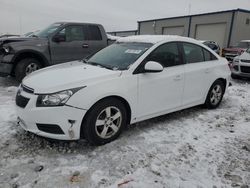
(21, 16)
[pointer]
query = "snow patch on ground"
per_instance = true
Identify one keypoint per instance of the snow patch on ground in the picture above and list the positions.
(191, 148)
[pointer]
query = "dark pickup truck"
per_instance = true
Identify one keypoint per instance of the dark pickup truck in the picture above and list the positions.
(60, 42)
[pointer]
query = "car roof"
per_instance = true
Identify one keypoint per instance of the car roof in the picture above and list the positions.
(155, 39)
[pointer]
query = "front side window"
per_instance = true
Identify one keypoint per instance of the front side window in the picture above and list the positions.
(166, 54)
(193, 53)
(119, 55)
(73, 33)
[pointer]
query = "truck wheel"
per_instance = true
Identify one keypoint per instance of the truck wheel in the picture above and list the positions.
(25, 67)
(105, 121)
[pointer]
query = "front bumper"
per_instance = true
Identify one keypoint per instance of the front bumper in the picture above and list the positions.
(30, 117)
(6, 64)
(241, 69)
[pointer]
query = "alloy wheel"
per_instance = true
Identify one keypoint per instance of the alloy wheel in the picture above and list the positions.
(216, 95)
(108, 122)
(31, 68)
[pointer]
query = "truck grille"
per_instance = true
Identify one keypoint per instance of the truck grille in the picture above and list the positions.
(245, 69)
(21, 101)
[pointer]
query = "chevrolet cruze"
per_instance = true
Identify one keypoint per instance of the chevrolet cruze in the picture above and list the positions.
(136, 78)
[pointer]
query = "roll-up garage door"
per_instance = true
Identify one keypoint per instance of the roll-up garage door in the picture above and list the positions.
(215, 32)
(179, 30)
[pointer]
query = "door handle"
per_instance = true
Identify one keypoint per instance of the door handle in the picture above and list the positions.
(177, 78)
(85, 45)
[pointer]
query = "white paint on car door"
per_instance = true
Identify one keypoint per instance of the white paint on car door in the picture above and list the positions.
(198, 74)
(160, 92)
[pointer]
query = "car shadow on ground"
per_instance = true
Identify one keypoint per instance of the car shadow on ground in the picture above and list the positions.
(29, 143)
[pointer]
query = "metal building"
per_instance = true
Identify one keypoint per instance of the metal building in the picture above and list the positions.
(225, 27)
(123, 33)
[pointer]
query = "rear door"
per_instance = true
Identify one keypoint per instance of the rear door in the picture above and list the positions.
(95, 40)
(74, 47)
(199, 73)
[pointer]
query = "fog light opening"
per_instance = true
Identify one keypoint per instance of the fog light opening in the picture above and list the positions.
(71, 131)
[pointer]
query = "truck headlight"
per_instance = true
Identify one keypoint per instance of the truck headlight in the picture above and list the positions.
(6, 49)
(56, 99)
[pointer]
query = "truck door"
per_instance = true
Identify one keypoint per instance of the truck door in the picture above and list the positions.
(69, 44)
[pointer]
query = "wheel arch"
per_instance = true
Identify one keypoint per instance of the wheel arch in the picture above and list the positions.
(224, 82)
(29, 54)
(125, 103)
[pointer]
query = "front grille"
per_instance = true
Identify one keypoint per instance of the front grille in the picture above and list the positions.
(50, 128)
(245, 69)
(21, 101)
(245, 61)
(27, 89)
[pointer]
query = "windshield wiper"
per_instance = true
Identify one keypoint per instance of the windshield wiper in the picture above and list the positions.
(100, 65)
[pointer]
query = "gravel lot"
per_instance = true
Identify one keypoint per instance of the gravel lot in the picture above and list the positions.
(191, 148)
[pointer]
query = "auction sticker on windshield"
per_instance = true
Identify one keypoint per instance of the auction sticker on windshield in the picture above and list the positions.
(131, 51)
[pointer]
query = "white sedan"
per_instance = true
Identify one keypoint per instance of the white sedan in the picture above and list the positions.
(137, 78)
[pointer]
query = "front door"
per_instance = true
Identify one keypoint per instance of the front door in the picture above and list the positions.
(161, 92)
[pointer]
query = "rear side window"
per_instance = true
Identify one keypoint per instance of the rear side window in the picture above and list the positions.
(193, 53)
(208, 55)
(94, 33)
(166, 54)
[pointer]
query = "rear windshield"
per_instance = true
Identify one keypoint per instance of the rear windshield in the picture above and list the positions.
(243, 45)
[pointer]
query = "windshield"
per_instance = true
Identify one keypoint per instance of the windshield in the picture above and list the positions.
(49, 30)
(119, 55)
(248, 50)
(243, 45)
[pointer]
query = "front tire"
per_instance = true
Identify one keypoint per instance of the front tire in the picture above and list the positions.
(215, 94)
(25, 67)
(105, 121)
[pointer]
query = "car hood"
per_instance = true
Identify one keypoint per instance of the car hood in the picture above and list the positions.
(66, 76)
(20, 39)
(245, 56)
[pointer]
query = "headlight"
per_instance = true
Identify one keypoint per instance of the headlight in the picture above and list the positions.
(6, 49)
(56, 99)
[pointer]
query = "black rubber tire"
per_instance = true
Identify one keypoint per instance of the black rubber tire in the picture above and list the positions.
(208, 103)
(233, 76)
(88, 125)
(20, 69)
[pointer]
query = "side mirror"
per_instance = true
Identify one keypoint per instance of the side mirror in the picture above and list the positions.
(152, 66)
(59, 38)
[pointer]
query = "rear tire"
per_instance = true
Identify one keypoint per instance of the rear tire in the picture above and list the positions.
(215, 94)
(105, 121)
(25, 67)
